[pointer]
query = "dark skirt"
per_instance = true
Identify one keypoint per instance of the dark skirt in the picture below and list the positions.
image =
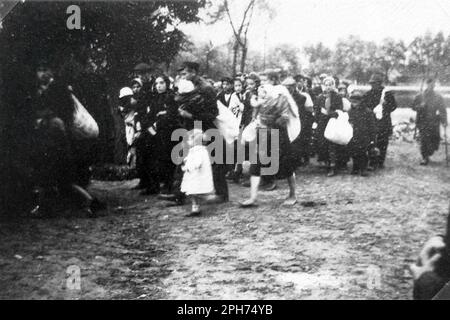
(286, 157)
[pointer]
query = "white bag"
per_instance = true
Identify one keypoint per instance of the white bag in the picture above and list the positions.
(378, 110)
(227, 123)
(84, 125)
(339, 130)
(249, 132)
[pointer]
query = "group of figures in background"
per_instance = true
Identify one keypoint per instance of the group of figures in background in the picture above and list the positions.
(153, 106)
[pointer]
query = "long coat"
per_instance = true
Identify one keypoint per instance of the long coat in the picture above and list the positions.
(363, 122)
(201, 103)
(431, 112)
(371, 99)
(335, 103)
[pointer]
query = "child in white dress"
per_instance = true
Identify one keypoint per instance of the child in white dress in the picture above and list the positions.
(197, 178)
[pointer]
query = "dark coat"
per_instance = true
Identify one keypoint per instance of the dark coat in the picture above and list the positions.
(201, 103)
(429, 117)
(364, 124)
(371, 99)
(247, 114)
(91, 90)
(432, 113)
(336, 103)
(223, 100)
(144, 100)
(322, 119)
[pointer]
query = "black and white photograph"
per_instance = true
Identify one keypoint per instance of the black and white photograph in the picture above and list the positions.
(224, 150)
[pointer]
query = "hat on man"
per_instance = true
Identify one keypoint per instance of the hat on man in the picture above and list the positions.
(289, 81)
(142, 67)
(299, 77)
(376, 78)
(191, 65)
(356, 95)
(125, 92)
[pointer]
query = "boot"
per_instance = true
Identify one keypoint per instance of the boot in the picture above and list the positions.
(331, 171)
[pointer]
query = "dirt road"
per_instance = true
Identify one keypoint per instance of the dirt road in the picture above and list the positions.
(350, 237)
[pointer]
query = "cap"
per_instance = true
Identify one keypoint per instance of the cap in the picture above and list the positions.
(299, 77)
(289, 81)
(142, 67)
(356, 96)
(189, 65)
(376, 78)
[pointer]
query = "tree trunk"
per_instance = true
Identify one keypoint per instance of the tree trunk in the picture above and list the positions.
(244, 57)
(235, 56)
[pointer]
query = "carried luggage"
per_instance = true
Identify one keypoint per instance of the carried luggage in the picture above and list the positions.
(227, 123)
(84, 126)
(339, 130)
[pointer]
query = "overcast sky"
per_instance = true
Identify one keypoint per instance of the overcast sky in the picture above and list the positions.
(302, 22)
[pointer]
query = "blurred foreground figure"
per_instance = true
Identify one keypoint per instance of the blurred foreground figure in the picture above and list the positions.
(58, 140)
(431, 272)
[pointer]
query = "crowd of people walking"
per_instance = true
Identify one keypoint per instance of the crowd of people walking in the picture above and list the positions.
(299, 111)
(278, 122)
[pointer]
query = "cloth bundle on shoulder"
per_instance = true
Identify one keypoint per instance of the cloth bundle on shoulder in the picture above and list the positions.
(339, 130)
(378, 110)
(227, 123)
(284, 100)
(84, 126)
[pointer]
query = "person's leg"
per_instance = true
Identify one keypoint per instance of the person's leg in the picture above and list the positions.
(140, 163)
(177, 196)
(306, 148)
(332, 152)
(220, 181)
(254, 185)
(292, 198)
(355, 161)
(152, 166)
(425, 147)
(219, 171)
(382, 143)
(195, 209)
(363, 161)
(255, 180)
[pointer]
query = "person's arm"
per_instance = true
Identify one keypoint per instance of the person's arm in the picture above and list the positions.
(390, 104)
(346, 105)
(283, 112)
(442, 112)
(417, 103)
(206, 107)
(372, 126)
(309, 104)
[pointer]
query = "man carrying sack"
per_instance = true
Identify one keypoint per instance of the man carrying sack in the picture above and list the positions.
(383, 103)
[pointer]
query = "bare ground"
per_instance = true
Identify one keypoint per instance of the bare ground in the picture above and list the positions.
(354, 241)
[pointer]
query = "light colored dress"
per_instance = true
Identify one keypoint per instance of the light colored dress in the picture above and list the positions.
(197, 178)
